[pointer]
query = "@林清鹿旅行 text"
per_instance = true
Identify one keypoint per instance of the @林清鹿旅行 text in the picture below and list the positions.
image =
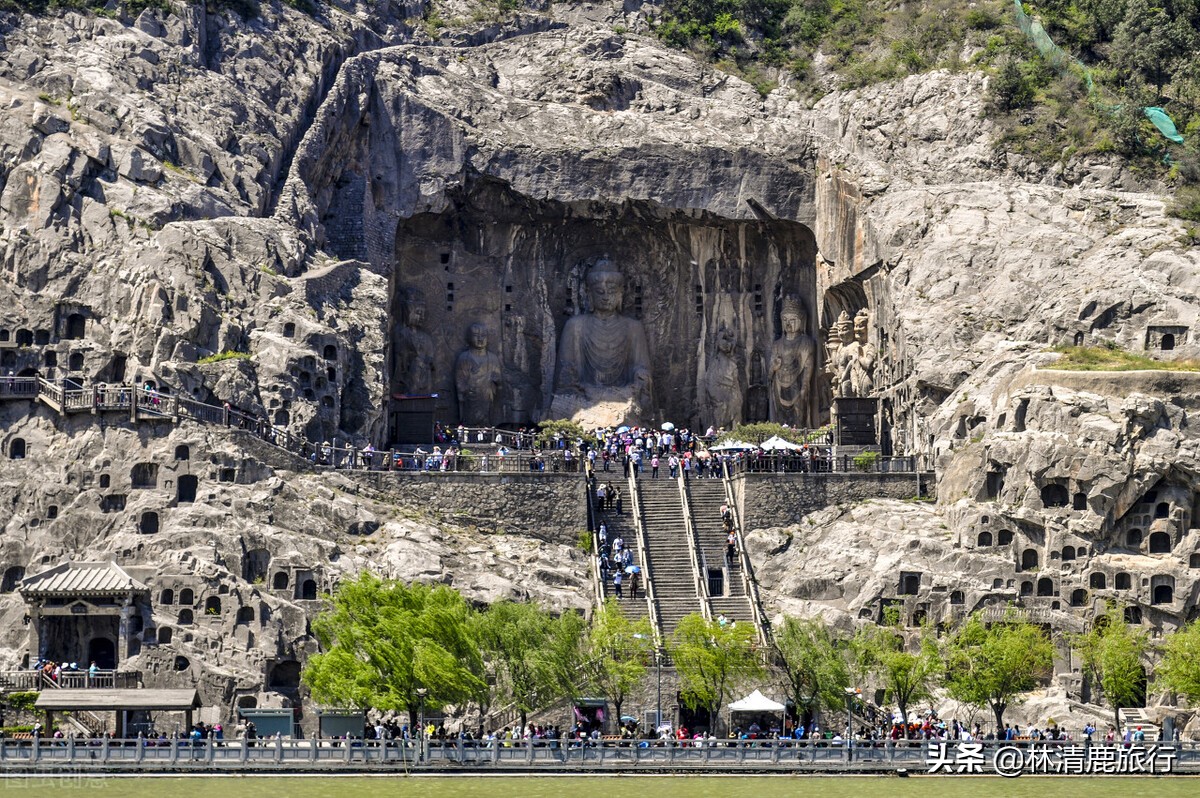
(1043, 759)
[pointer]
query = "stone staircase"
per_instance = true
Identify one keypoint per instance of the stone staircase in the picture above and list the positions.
(1133, 717)
(669, 556)
(623, 525)
(705, 497)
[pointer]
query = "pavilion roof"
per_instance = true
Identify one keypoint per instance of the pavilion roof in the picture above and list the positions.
(81, 579)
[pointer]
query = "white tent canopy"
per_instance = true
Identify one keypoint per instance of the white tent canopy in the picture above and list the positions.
(778, 444)
(756, 702)
(732, 446)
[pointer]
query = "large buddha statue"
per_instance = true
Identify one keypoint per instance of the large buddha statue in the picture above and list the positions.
(603, 356)
(792, 366)
(477, 375)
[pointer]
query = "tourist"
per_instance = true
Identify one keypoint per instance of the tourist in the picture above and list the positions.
(617, 583)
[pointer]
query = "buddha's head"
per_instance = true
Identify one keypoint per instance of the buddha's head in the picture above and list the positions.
(477, 336)
(414, 309)
(606, 286)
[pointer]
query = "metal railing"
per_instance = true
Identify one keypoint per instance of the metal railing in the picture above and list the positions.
(775, 463)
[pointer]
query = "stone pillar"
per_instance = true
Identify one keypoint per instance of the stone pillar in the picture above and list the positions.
(37, 632)
(123, 632)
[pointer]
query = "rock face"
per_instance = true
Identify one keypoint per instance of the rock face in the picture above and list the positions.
(246, 211)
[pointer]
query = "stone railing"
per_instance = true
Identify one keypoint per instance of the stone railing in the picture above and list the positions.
(278, 754)
(13, 681)
(762, 621)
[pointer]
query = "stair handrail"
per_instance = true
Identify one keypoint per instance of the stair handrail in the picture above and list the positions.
(49, 389)
(635, 509)
(749, 584)
(594, 528)
(699, 566)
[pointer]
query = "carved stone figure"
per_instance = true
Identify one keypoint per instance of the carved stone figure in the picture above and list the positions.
(721, 399)
(842, 357)
(477, 376)
(412, 349)
(603, 356)
(852, 357)
(793, 363)
(862, 372)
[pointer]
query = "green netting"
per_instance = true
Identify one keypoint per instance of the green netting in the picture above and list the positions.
(1164, 123)
(1064, 62)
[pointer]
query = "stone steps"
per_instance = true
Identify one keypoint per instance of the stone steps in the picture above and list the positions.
(668, 555)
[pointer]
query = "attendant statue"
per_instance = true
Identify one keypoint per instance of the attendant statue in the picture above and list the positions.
(721, 399)
(603, 356)
(792, 366)
(842, 357)
(412, 349)
(862, 370)
(477, 375)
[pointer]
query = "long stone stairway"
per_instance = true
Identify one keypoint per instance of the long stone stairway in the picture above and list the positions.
(705, 497)
(634, 606)
(669, 556)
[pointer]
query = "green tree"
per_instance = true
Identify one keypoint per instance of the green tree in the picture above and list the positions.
(383, 640)
(1148, 44)
(907, 675)
(1179, 669)
(565, 428)
(1112, 654)
(1009, 89)
(616, 651)
(712, 660)
(519, 642)
(989, 666)
(813, 663)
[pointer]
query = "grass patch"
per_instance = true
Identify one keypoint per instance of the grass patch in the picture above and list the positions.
(228, 354)
(1103, 358)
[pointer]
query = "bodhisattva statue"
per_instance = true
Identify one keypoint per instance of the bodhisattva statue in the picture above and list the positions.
(721, 400)
(412, 349)
(793, 363)
(477, 375)
(603, 356)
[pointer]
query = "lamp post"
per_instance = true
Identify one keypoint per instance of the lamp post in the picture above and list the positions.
(658, 688)
(851, 694)
(421, 693)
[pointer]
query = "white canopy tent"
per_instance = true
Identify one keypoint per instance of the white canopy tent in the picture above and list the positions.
(778, 444)
(732, 446)
(757, 704)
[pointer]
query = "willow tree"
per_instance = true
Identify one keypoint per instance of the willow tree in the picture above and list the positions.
(712, 660)
(1179, 669)
(1112, 654)
(383, 641)
(617, 650)
(814, 664)
(907, 671)
(527, 648)
(990, 666)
